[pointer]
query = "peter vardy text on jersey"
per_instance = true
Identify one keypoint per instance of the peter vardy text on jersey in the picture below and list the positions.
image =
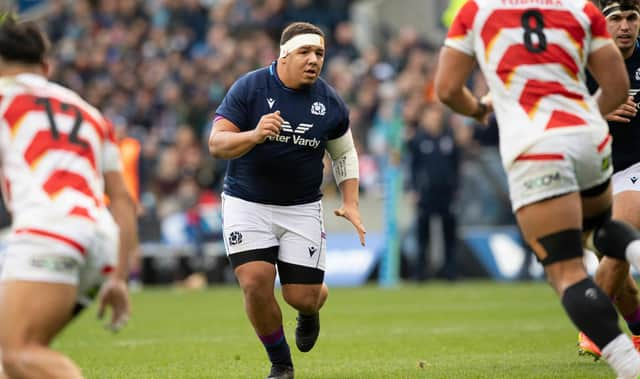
(297, 140)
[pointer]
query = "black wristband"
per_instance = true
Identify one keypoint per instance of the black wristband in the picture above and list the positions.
(481, 111)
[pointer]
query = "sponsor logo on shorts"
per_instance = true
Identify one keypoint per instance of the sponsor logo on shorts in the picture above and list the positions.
(591, 293)
(55, 263)
(235, 238)
(633, 179)
(543, 181)
(312, 250)
(606, 163)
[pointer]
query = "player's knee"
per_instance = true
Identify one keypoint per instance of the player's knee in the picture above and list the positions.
(255, 287)
(324, 293)
(255, 279)
(304, 301)
(612, 237)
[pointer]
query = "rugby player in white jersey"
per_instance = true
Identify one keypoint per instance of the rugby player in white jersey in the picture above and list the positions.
(554, 142)
(59, 159)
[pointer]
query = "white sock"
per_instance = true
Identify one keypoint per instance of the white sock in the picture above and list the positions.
(632, 253)
(622, 357)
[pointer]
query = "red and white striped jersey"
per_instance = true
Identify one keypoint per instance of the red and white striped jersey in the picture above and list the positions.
(54, 148)
(533, 55)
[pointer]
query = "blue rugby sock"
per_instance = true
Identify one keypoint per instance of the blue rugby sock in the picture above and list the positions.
(277, 347)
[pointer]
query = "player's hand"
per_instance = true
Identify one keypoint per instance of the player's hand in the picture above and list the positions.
(483, 118)
(352, 214)
(624, 113)
(113, 294)
(268, 126)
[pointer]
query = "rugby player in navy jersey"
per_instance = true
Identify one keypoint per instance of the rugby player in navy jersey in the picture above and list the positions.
(623, 23)
(274, 126)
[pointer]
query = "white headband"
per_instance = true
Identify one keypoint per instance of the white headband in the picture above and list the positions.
(309, 39)
(615, 8)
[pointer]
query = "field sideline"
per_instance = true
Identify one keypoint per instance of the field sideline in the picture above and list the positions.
(464, 330)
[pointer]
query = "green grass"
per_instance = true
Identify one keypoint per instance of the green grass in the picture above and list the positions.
(464, 330)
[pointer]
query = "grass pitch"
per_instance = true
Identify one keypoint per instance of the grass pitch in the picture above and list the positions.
(441, 330)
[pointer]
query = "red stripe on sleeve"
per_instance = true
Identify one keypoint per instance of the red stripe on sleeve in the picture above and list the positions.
(463, 22)
(110, 131)
(598, 22)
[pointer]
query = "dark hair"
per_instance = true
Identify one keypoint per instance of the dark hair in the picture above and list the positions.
(624, 4)
(22, 42)
(299, 28)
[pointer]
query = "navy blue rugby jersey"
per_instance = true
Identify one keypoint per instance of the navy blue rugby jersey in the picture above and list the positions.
(287, 169)
(626, 136)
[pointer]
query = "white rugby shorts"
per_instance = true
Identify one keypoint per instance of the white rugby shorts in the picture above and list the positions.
(559, 164)
(298, 230)
(627, 179)
(69, 251)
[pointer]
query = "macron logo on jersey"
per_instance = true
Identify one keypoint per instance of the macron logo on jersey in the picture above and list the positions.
(271, 101)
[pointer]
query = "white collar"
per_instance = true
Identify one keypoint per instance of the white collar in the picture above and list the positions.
(31, 79)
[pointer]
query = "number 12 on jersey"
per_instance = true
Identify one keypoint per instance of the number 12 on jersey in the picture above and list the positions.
(64, 107)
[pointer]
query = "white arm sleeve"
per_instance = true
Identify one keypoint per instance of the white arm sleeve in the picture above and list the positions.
(111, 157)
(344, 156)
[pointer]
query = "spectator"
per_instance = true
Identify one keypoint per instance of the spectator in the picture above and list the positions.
(435, 175)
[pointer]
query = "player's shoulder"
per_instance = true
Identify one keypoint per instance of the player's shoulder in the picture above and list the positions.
(11, 85)
(89, 112)
(323, 88)
(67, 95)
(584, 7)
(634, 60)
(253, 80)
(39, 86)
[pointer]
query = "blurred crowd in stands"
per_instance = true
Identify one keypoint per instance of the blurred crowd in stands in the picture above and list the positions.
(159, 68)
